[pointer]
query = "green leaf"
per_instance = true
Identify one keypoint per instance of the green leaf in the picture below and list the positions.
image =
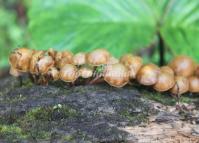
(10, 33)
(120, 26)
(181, 27)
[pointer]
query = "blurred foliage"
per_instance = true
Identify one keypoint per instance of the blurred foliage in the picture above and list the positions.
(121, 26)
(11, 29)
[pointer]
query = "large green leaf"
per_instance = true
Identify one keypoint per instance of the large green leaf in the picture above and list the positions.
(118, 25)
(10, 35)
(181, 27)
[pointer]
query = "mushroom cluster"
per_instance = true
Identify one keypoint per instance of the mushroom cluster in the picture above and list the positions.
(181, 75)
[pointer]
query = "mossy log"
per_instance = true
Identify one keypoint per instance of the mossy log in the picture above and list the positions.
(88, 113)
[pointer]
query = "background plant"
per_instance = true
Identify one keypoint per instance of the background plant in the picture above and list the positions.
(157, 29)
(12, 27)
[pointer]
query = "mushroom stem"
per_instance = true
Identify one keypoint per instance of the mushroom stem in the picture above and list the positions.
(178, 96)
(97, 79)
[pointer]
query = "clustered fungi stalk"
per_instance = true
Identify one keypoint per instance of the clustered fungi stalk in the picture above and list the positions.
(181, 75)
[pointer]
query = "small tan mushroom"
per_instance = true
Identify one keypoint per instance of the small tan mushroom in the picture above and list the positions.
(20, 59)
(165, 82)
(53, 73)
(85, 72)
(44, 64)
(116, 75)
(194, 84)
(183, 66)
(167, 69)
(148, 74)
(181, 85)
(63, 58)
(112, 60)
(79, 59)
(68, 73)
(52, 53)
(37, 55)
(98, 57)
(134, 63)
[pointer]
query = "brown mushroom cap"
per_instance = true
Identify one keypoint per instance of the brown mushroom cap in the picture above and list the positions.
(20, 59)
(79, 59)
(44, 64)
(134, 63)
(194, 84)
(52, 53)
(62, 62)
(148, 74)
(181, 85)
(85, 72)
(165, 82)
(54, 73)
(116, 75)
(33, 62)
(13, 58)
(98, 57)
(63, 58)
(183, 66)
(68, 73)
(112, 60)
(167, 69)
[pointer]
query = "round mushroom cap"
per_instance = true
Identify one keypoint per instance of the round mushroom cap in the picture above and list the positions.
(20, 59)
(13, 58)
(67, 54)
(85, 72)
(61, 63)
(63, 58)
(54, 73)
(194, 84)
(33, 62)
(148, 74)
(167, 69)
(68, 73)
(165, 82)
(112, 60)
(98, 57)
(44, 64)
(116, 75)
(181, 85)
(52, 53)
(79, 59)
(134, 63)
(183, 66)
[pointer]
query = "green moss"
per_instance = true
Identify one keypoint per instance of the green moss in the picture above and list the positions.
(134, 117)
(161, 98)
(17, 99)
(68, 138)
(11, 133)
(166, 99)
(51, 113)
(75, 136)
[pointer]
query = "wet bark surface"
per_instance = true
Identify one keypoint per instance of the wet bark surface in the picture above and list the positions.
(89, 113)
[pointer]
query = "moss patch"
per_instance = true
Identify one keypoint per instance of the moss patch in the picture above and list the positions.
(50, 113)
(11, 133)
